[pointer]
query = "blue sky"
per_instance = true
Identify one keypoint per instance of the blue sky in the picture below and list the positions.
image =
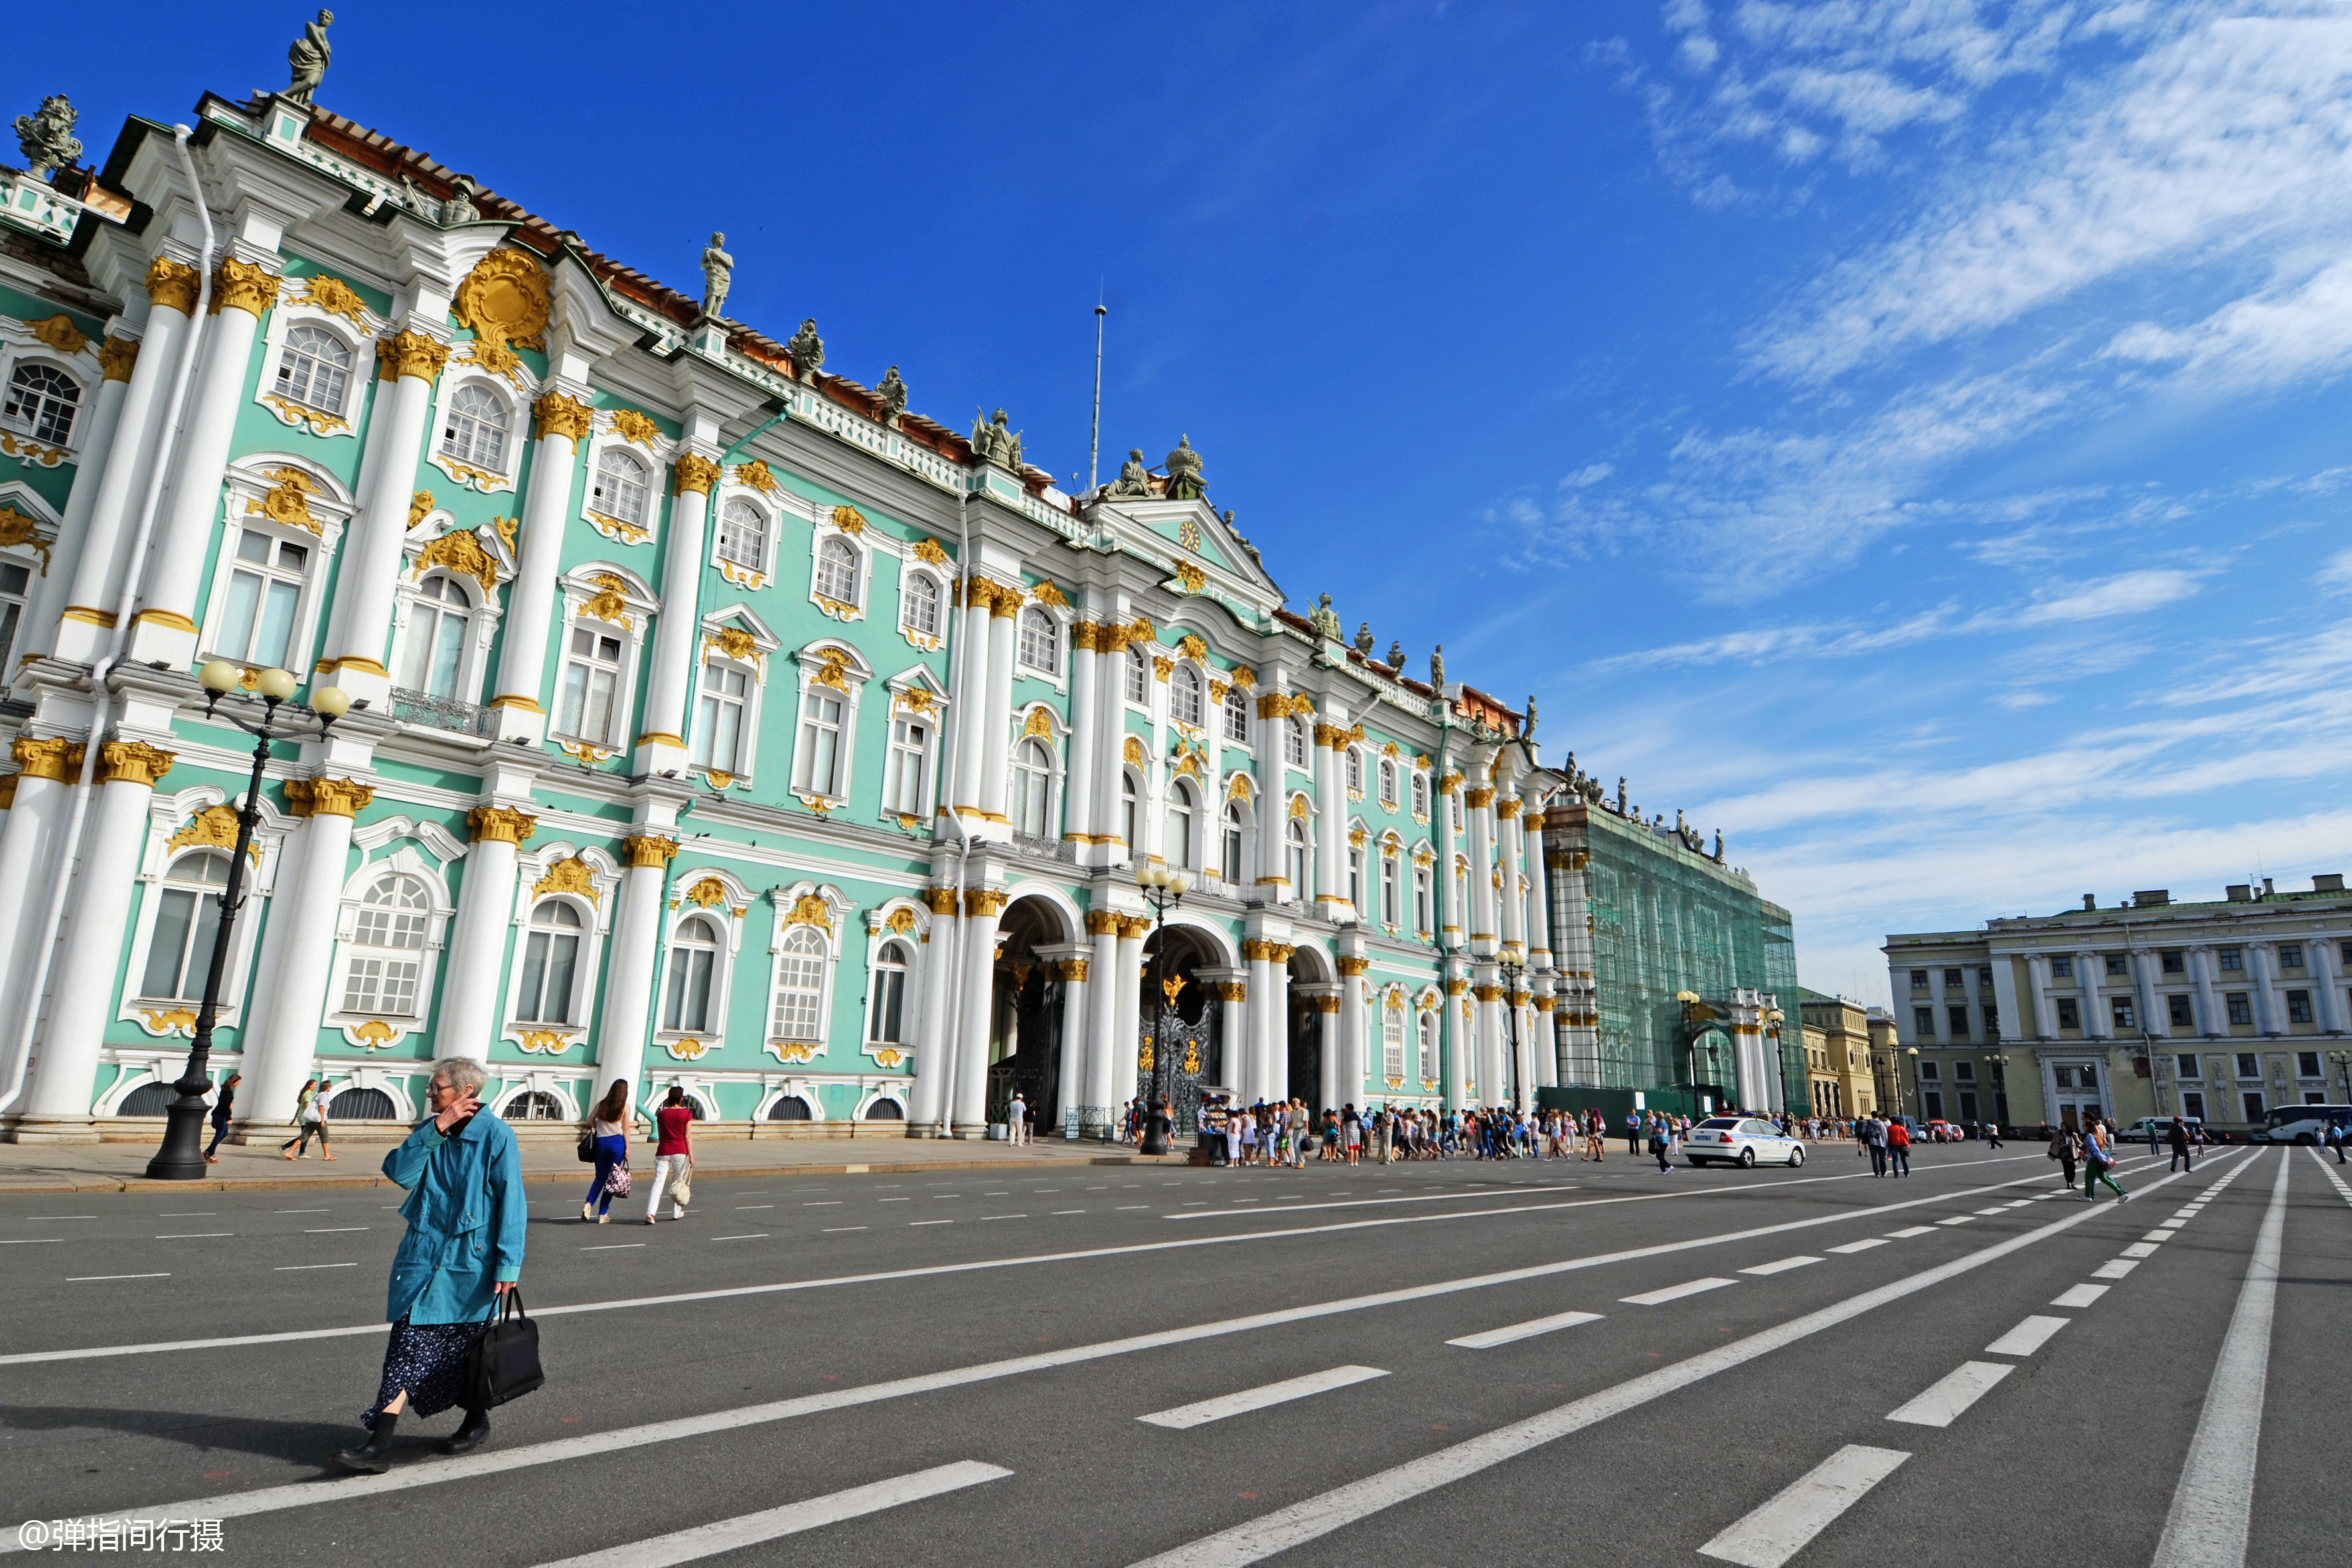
(1909, 435)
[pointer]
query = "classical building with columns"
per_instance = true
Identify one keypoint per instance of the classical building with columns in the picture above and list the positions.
(718, 719)
(2223, 1010)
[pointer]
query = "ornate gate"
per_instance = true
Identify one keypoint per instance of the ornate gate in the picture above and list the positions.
(1192, 1061)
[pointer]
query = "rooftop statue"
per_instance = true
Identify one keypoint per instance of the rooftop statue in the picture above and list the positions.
(806, 350)
(307, 57)
(1532, 717)
(1325, 620)
(460, 207)
(1396, 655)
(1134, 478)
(893, 395)
(46, 138)
(1364, 639)
(992, 442)
(717, 273)
(1718, 846)
(1183, 468)
(1621, 795)
(1437, 668)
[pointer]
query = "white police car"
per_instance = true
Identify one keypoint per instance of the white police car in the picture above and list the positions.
(1740, 1141)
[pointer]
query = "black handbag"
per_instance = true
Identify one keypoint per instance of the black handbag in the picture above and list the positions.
(588, 1147)
(504, 1363)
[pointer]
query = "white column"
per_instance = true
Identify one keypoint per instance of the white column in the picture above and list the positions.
(1233, 996)
(996, 713)
(1452, 922)
(1078, 806)
(2045, 1011)
(1102, 1020)
(2087, 966)
(2210, 1018)
(1352, 1031)
(2014, 1024)
(931, 1039)
(166, 628)
(1493, 1087)
(1330, 822)
(1486, 926)
(676, 634)
(1513, 910)
(1265, 1069)
(479, 935)
(1074, 972)
(1272, 803)
(529, 621)
(972, 704)
(1455, 1038)
(625, 1020)
(1110, 737)
(2262, 962)
(82, 982)
(1151, 811)
(1545, 1036)
(2323, 970)
(1126, 1022)
(27, 844)
(982, 908)
(100, 436)
(1331, 1069)
(283, 1044)
(94, 584)
(1540, 954)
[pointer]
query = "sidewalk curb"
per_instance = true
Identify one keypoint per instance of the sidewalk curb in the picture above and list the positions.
(272, 1185)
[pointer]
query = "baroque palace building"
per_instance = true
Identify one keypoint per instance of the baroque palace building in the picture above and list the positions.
(720, 720)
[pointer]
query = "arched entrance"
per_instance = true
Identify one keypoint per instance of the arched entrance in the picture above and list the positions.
(1180, 1015)
(1024, 1033)
(1309, 983)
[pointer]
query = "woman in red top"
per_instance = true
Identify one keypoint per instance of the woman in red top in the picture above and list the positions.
(673, 1155)
(1898, 1148)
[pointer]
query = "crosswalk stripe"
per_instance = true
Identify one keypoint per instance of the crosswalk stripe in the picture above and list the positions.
(1675, 1292)
(1509, 1332)
(811, 1513)
(2114, 1271)
(1782, 1266)
(2080, 1296)
(1864, 1244)
(1778, 1530)
(1185, 1417)
(2138, 1249)
(1944, 1403)
(2028, 1336)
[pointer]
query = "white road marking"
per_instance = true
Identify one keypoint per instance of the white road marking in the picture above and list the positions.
(335, 1230)
(1782, 1267)
(627, 1245)
(2080, 1296)
(1956, 1219)
(2138, 1249)
(86, 1279)
(2114, 1271)
(814, 1513)
(915, 1222)
(750, 1236)
(1944, 1403)
(1864, 1244)
(1363, 1203)
(50, 1216)
(301, 1211)
(1185, 1417)
(1059, 1212)
(2028, 1336)
(1997, 1208)
(1909, 1232)
(990, 1217)
(1124, 1207)
(837, 1229)
(1675, 1292)
(2021, 1203)
(191, 1214)
(1503, 1336)
(2211, 1507)
(197, 1235)
(287, 1269)
(2342, 1191)
(631, 1303)
(2163, 1232)
(1777, 1531)
(31, 1240)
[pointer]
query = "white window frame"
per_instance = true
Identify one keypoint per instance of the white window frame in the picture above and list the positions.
(484, 611)
(1188, 674)
(596, 909)
(928, 641)
(359, 336)
(861, 560)
(423, 1000)
(1234, 706)
(1394, 1048)
(855, 672)
(1051, 804)
(1134, 677)
(471, 476)
(719, 627)
(167, 817)
(1233, 836)
(1390, 797)
(609, 522)
(331, 506)
(1391, 888)
(398, 841)
(1298, 854)
(742, 575)
(881, 933)
(784, 899)
(722, 967)
(84, 404)
(1354, 775)
(1297, 751)
(1033, 616)
(1191, 859)
(638, 606)
(1419, 795)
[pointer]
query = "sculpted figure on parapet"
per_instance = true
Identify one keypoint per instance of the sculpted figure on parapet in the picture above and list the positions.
(1134, 480)
(993, 442)
(308, 55)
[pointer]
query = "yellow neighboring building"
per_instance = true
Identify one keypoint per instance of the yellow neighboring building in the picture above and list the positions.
(1838, 1056)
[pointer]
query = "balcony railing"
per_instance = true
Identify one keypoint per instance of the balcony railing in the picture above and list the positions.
(442, 712)
(1046, 848)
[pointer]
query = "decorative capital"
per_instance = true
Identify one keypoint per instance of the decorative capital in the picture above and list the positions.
(1102, 923)
(1134, 927)
(1478, 799)
(1232, 989)
(1163, 667)
(171, 283)
(117, 357)
(984, 903)
(132, 762)
(1507, 806)
(411, 353)
(1333, 735)
(1325, 1003)
(556, 415)
(1258, 950)
(327, 797)
(1354, 965)
(47, 759)
(1546, 1004)
(1072, 970)
(648, 849)
(1487, 993)
(940, 901)
(499, 825)
(242, 286)
(694, 472)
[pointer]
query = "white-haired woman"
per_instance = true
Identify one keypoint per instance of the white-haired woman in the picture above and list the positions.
(463, 1251)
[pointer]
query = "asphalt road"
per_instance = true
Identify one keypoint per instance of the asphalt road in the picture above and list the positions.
(1528, 1363)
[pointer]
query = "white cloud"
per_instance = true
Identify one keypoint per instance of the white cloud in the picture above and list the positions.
(1587, 475)
(2127, 593)
(2335, 574)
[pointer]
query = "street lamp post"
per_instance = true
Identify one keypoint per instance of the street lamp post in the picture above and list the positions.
(1913, 1052)
(1997, 1080)
(1163, 890)
(1511, 963)
(181, 1156)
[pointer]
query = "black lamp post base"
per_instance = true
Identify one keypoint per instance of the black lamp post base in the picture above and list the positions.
(182, 1157)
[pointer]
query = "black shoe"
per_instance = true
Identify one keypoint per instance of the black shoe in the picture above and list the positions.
(373, 1457)
(467, 1437)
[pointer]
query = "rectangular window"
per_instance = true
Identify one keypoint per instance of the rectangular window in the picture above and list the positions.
(14, 582)
(719, 722)
(2070, 1017)
(2242, 1012)
(1356, 878)
(2306, 1063)
(1952, 978)
(2249, 1065)
(592, 679)
(1934, 1104)
(2233, 960)
(2291, 955)
(1918, 980)
(1964, 1072)
(2120, 1009)
(2344, 953)
(1929, 1072)
(1388, 900)
(2062, 969)
(1923, 1022)
(2193, 1107)
(1958, 1017)
(2173, 963)
(886, 1026)
(257, 616)
(2188, 1066)
(1992, 1021)
(817, 765)
(902, 780)
(2180, 1015)
(1984, 976)
(2117, 964)
(2253, 1103)
(2298, 1007)
(1422, 922)
(382, 985)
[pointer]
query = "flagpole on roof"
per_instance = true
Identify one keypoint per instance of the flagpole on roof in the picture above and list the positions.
(1094, 441)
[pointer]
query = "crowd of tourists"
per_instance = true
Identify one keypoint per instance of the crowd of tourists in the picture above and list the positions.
(1286, 1133)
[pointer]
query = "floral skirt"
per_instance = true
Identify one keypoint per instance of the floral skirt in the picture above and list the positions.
(429, 1361)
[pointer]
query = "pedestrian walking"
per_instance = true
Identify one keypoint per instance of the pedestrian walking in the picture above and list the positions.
(1017, 1119)
(608, 1135)
(1633, 1132)
(1898, 1149)
(2065, 1147)
(673, 1155)
(2099, 1164)
(1874, 1143)
(466, 1223)
(220, 1114)
(1992, 1135)
(2177, 1135)
(310, 1116)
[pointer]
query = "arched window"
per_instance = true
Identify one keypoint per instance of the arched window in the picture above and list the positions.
(1420, 793)
(1041, 642)
(256, 625)
(836, 572)
(1180, 824)
(1137, 675)
(1388, 784)
(1461, 890)
(886, 1110)
(1127, 812)
(1390, 895)
(693, 961)
(314, 368)
(1297, 865)
(475, 430)
(1355, 875)
(624, 486)
(187, 921)
(1237, 715)
(361, 1105)
(919, 606)
(1355, 771)
(800, 986)
(1421, 924)
(438, 619)
(1453, 809)
(387, 953)
(1185, 696)
(789, 1108)
(1294, 743)
(591, 683)
(1392, 1043)
(1427, 1066)
(718, 720)
(902, 775)
(816, 763)
(550, 960)
(534, 1105)
(743, 535)
(1033, 781)
(886, 1023)
(42, 401)
(1231, 845)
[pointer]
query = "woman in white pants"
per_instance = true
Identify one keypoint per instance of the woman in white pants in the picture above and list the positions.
(673, 1154)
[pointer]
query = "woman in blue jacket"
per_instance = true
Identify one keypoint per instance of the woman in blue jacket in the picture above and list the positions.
(463, 1251)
